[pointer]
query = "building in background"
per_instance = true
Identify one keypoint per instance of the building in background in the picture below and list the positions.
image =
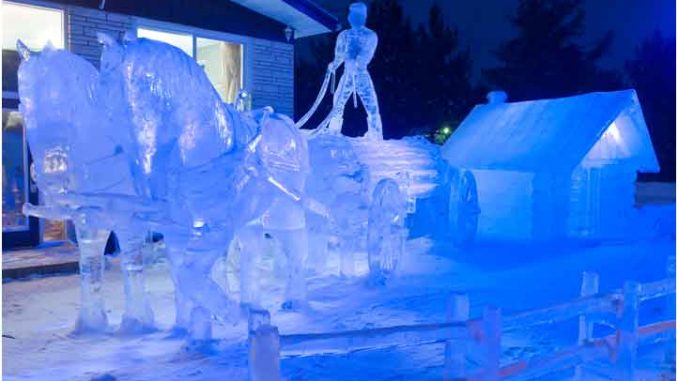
(555, 168)
(241, 44)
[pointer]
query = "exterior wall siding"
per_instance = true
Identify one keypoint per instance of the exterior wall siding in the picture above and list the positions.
(82, 25)
(273, 75)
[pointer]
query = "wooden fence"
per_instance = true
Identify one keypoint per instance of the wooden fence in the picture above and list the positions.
(463, 336)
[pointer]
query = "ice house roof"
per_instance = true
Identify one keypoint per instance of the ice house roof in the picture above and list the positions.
(550, 134)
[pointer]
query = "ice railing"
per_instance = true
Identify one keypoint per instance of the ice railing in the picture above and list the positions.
(464, 337)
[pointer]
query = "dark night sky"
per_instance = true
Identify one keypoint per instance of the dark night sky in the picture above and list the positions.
(483, 24)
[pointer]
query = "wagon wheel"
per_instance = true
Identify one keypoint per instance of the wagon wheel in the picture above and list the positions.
(463, 207)
(385, 230)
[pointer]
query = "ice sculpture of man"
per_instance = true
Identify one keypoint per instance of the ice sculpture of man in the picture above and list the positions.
(355, 48)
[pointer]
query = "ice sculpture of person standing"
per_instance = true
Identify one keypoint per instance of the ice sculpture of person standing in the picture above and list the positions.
(355, 48)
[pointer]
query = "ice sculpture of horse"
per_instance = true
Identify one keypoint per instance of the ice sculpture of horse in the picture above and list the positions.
(109, 149)
(219, 170)
(80, 150)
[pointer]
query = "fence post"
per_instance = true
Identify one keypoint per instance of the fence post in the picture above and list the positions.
(589, 286)
(491, 343)
(670, 349)
(264, 347)
(457, 310)
(627, 333)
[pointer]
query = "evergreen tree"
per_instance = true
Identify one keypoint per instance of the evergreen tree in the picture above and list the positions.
(652, 73)
(546, 59)
(446, 71)
(394, 71)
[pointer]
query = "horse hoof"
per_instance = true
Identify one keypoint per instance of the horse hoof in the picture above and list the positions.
(134, 327)
(91, 322)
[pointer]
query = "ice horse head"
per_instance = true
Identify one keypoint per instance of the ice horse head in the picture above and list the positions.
(68, 135)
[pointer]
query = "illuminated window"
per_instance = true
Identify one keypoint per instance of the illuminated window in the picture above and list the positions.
(35, 26)
(222, 62)
(181, 41)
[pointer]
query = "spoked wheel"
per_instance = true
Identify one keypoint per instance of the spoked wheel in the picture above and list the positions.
(463, 207)
(385, 230)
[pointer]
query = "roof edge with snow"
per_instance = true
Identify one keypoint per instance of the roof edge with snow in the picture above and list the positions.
(548, 134)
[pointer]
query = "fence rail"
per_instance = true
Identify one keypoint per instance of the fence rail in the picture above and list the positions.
(373, 338)
(619, 309)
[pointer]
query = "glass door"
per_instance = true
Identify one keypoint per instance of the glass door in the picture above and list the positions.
(14, 172)
(18, 230)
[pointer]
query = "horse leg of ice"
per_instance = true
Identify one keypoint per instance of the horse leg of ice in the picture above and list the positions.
(195, 278)
(138, 316)
(182, 304)
(318, 241)
(295, 245)
(253, 244)
(317, 252)
(200, 333)
(91, 243)
(346, 259)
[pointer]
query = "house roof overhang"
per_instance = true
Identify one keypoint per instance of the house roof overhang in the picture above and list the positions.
(266, 19)
(304, 16)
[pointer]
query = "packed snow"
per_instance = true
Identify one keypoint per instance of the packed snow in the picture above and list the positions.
(39, 314)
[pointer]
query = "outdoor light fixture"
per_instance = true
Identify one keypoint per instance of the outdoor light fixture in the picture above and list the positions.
(289, 33)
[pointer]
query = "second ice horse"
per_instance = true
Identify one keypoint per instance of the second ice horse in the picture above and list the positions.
(194, 147)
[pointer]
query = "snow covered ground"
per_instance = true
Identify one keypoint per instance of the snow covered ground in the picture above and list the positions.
(38, 314)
